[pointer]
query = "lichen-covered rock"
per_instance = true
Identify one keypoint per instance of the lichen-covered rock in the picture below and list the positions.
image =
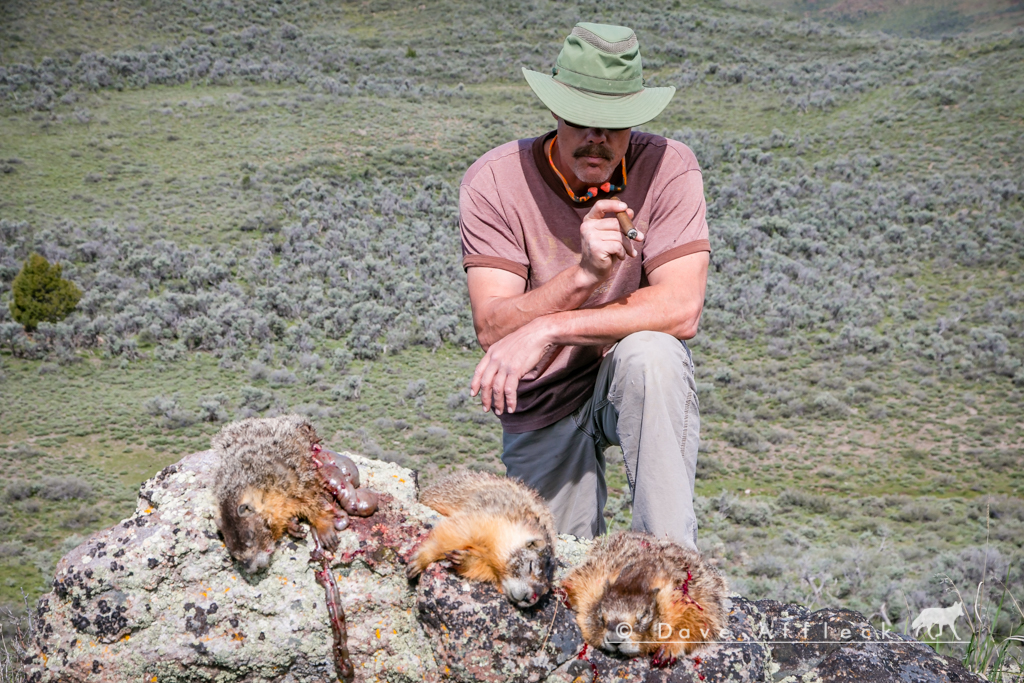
(738, 657)
(840, 645)
(158, 598)
(478, 635)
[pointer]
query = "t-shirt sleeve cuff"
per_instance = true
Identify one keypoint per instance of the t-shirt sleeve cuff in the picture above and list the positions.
(676, 252)
(481, 261)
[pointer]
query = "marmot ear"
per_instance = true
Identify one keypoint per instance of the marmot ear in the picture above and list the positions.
(245, 509)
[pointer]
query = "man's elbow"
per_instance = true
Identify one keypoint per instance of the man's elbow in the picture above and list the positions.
(484, 337)
(687, 323)
(686, 331)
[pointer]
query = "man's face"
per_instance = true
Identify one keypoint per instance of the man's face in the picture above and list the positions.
(589, 154)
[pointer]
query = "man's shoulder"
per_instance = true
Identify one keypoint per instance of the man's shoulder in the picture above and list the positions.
(500, 160)
(676, 156)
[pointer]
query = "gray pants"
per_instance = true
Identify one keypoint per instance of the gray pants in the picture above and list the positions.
(645, 401)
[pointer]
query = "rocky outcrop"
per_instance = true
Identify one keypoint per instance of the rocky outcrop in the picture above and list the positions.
(158, 598)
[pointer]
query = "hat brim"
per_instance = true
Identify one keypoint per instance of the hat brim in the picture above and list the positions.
(598, 111)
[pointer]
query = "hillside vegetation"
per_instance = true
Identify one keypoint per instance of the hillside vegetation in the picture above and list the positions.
(923, 18)
(259, 202)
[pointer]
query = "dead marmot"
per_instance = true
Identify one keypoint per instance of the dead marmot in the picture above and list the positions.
(495, 529)
(638, 595)
(273, 473)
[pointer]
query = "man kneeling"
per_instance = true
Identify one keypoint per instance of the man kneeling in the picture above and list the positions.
(583, 326)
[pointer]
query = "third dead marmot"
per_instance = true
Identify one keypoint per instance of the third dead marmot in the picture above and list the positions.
(636, 594)
(495, 529)
(272, 474)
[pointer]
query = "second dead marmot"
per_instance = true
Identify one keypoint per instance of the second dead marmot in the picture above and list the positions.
(496, 529)
(638, 595)
(273, 474)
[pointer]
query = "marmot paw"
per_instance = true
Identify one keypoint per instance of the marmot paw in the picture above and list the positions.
(329, 539)
(456, 557)
(294, 528)
(662, 659)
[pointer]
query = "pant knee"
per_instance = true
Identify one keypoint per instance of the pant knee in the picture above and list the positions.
(653, 353)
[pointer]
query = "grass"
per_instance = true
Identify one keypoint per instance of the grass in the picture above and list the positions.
(995, 648)
(999, 656)
(162, 153)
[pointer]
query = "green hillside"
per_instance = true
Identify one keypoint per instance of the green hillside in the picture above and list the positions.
(920, 18)
(259, 201)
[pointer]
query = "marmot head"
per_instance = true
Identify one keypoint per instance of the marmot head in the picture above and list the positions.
(626, 616)
(246, 533)
(528, 572)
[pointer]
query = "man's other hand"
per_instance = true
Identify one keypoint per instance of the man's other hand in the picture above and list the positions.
(523, 353)
(603, 241)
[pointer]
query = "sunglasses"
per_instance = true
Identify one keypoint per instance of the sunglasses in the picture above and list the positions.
(579, 127)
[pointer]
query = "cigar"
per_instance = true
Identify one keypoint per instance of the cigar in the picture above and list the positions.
(625, 225)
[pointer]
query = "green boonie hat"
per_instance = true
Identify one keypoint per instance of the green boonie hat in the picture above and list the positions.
(597, 80)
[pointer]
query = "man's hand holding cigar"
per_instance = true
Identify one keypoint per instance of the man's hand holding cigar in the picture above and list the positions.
(605, 241)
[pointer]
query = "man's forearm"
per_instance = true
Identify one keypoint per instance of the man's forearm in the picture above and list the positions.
(672, 303)
(500, 316)
(498, 312)
(649, 308)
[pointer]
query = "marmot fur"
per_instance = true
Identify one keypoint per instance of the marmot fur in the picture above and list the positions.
(266, 482)
(636, 594)
(495, 529)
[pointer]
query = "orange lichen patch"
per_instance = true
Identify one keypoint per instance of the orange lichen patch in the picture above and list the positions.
(237, 636)
(147, 511)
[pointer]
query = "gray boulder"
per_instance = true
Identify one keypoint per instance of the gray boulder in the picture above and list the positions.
(158, 598)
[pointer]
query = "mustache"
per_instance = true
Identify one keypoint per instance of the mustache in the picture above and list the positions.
(594, 150)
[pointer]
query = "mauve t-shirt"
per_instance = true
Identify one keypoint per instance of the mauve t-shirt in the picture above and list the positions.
(515, 214)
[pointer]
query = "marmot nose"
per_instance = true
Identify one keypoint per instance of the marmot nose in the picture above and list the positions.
(616, 634)
(517, 593)
(261, 561)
